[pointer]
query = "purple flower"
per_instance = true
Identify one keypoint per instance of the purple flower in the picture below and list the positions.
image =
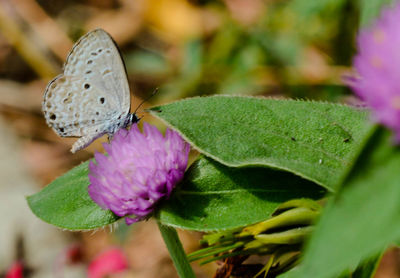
(378, 67)
(139, 170)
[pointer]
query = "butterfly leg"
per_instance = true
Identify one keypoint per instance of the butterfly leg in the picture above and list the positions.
(84, 141)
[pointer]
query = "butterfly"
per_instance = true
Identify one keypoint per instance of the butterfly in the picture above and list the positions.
(92, 97)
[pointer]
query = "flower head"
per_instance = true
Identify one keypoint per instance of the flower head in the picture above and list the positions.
(378, 66)
(139, 170)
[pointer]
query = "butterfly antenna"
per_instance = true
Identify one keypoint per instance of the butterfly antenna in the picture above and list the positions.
(146, 99)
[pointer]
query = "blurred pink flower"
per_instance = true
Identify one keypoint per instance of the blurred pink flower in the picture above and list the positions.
(109, 262)
(139, 170)
(378, 67)
(15, 271)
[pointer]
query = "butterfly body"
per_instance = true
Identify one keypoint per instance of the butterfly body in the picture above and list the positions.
(92, 97)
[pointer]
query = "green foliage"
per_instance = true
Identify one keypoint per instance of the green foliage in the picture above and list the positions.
(66, 203)
(211, 197)
(256, 151)
(144, 63)
(367, 268)
(317, 141)
(215, 197)
(266, 55)
(280, 237)
(363, 218)
(370, 9)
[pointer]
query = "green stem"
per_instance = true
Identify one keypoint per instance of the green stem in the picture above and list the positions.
(176, 251)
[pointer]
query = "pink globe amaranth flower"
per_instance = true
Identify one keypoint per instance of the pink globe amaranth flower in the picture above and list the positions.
(140, 170)
(378, 67)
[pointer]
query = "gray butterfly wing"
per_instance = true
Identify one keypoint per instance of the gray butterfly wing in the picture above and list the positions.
(92, 97)
(75, 108)
(96, 58)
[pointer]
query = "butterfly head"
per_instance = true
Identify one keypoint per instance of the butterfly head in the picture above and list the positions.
(130, 119)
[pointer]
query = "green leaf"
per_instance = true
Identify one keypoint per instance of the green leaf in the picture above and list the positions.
(317, 141)
(363, 219)
(66, 203)
(212, 194)
(215, 197)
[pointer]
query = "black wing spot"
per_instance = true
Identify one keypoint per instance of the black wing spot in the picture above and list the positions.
(102, 100)
(97, 113)
(100, 50)
(108, 51)
(65, 100)
(86, 86)
(106, 71)
(61, 129)
(93, 121)
(89, 62)
(88, 72)
(53, 117)
(94, 53)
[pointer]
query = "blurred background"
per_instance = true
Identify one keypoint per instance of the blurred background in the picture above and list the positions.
(273, 48)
